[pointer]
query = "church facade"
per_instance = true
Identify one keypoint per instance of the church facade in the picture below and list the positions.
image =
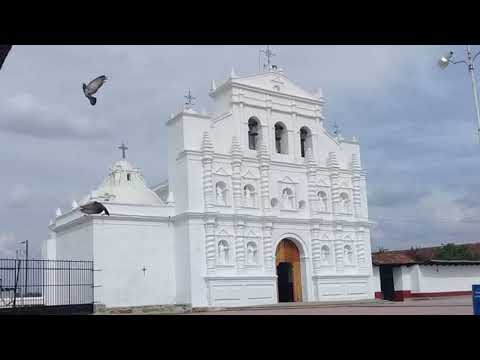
(262, 205)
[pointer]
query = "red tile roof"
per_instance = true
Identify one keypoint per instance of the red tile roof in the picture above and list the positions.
(416, 256)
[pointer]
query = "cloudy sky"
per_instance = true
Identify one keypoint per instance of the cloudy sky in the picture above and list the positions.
(416, 125)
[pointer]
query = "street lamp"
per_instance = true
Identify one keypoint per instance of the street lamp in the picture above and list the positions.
(447, 59)
(26, 266)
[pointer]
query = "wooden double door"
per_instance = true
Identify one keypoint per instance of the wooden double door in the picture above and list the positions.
(287, 261)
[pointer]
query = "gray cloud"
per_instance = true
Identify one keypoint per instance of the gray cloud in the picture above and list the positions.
(415, 123)
(26, 114)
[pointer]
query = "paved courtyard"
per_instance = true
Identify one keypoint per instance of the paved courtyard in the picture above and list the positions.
(461, 305)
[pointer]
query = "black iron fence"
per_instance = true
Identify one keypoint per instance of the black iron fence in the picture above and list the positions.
(46, 286)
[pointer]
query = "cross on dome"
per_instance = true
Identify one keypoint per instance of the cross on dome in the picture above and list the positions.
(123, 148)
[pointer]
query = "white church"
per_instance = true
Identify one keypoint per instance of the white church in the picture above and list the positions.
(262, 205)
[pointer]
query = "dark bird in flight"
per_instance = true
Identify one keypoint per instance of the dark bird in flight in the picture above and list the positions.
(4, 49)
(94, 208)
(93, 87)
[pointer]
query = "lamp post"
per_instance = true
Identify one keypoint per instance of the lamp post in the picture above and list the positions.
(448, 59)
(26, 265)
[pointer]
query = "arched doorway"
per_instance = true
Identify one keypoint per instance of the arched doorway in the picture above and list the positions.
(289, 281)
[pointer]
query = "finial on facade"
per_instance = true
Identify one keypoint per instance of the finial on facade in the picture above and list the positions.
(58, 212)
(204, 112)
(50, 223)
(207, 145)
(172, 115)
(190, 99)
(318, 93)
(123, 148)
(170, 198)
(74, 204)
(354, 139)
(233, 74)
(213, 87)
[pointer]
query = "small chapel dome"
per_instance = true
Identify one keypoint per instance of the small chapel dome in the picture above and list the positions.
(124, 184)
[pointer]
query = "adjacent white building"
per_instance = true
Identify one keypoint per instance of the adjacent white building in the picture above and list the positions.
(261, 205)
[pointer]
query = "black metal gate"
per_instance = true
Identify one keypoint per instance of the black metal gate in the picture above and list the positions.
(46, 287)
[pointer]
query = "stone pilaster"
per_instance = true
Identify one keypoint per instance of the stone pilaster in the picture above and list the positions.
(360, 247)
(264, 165)
(338, 245)
(311, 177)
(267, 247)
(210, 246)
(356, 185)
(207, 162)
(333, 166)
(237, 154)
(239, 245)
(316, 249)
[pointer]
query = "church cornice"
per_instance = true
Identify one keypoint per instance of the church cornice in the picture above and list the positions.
(184, 113)
(95, 218)
(339, 275)
(253, 161)
(239, 277)
(274, 219)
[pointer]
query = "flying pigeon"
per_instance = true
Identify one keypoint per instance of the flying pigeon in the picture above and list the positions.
(94, 208)
(4, 50)
(93, 87)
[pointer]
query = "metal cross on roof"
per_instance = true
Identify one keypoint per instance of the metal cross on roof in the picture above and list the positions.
(123, 148)
(269, 54)
(189, 98)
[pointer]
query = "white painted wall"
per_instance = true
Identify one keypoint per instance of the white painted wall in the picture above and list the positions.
(431, 278)
(402, 278)
(448, 278)
(122, 249)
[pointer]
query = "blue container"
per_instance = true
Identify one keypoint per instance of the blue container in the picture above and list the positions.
(476, 299)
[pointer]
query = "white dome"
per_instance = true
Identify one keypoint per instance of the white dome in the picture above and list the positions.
(124, 184)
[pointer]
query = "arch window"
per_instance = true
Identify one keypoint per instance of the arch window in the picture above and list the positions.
(305, 140)
(281, 138)
(253, 133)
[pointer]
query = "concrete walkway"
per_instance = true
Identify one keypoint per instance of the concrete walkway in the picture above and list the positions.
(459, 305)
